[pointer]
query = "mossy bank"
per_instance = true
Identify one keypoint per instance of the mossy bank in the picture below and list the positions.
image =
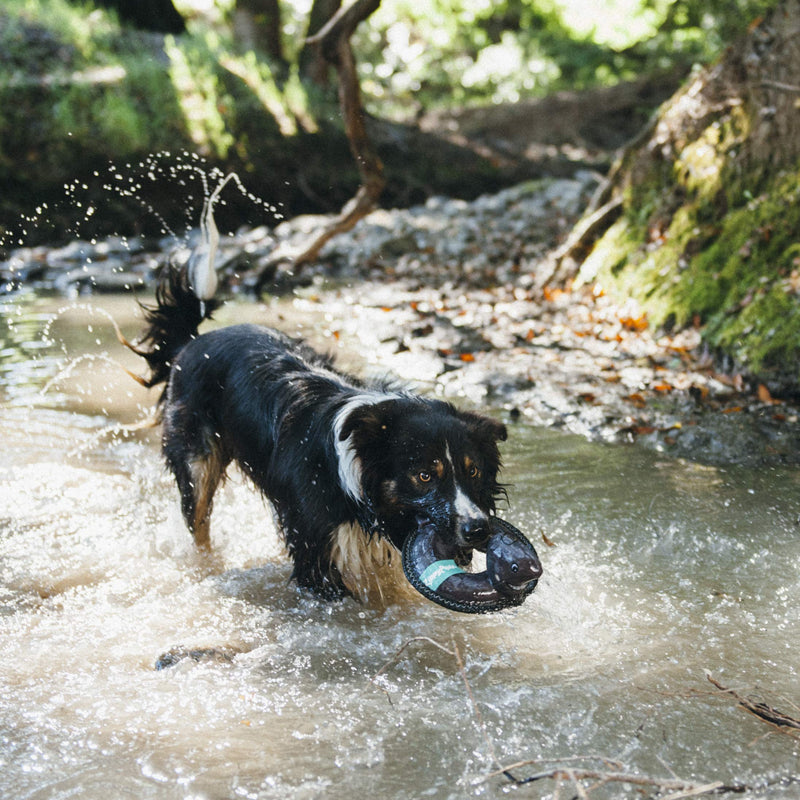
(709, 233)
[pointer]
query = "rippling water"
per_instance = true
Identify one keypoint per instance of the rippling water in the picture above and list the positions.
(660, 570)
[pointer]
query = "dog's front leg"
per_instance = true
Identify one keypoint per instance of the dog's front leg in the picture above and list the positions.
(311, 554)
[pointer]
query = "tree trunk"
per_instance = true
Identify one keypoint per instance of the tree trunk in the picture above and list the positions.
(150, 15)
(313, 64)
(333, 42)
(257, 26)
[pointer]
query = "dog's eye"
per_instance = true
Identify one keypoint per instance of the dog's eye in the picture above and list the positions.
(424, 476)
(473, 472)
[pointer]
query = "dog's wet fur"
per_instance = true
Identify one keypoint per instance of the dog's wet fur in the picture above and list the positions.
(349, 466)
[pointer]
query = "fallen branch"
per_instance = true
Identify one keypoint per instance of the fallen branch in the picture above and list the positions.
(333, 41)
(768, 714)
(563, 262)
(677, 787)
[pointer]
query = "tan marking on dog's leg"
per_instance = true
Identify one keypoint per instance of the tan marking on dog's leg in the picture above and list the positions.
(206, 476)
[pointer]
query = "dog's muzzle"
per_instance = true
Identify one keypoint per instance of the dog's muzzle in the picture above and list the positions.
(474, 533)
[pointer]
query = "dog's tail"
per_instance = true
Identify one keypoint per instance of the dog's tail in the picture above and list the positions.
(172, 322)
(184, 298)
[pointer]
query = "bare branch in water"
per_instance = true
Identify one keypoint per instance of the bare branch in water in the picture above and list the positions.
(334, 44)
(770, 715)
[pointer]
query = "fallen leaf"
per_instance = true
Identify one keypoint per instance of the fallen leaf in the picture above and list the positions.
(552, 294)
(637, 399)
(663, 387)
(547, 540)
(467, 357)
(764, 395)
(637, 324)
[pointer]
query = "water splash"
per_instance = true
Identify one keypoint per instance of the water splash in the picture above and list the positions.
(182, 169)
(153, 175)
(73, 364)
(47, 336)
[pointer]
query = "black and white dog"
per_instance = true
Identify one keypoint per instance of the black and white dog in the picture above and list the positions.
(347, 465)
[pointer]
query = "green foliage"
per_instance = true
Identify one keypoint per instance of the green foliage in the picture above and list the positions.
(71, 79)
(76, 89)
(456, 52)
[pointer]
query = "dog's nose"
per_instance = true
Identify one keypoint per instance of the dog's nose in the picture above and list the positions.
(475, 532)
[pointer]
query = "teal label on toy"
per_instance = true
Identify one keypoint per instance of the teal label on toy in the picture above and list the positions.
(437, 573)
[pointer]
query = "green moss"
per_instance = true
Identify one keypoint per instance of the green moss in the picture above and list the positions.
(764, 335)
(736, 269)
(708, 235)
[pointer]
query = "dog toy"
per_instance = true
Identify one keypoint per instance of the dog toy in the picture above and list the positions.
(512, 570)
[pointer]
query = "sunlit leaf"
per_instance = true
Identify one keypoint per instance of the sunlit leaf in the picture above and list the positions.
(764, 395)
(547, 540)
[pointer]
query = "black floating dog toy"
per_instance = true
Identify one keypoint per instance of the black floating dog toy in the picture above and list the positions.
(512, 571)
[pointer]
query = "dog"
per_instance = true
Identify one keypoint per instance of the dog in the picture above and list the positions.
(350, 467)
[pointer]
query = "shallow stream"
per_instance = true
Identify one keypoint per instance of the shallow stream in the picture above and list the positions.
(659, 570)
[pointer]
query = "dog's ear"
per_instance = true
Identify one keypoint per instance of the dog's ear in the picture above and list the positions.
(485, 428)
(370, 421)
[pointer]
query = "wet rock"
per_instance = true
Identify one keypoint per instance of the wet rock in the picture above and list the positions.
(198, 655)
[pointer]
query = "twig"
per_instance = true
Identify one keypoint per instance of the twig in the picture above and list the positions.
(398, 653)
(679, 787)
(403, 648)
(477, 712)
(563, 773)
(781, 87)
(768, 714)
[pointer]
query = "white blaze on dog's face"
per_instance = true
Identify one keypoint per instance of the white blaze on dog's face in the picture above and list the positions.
(471, 520)
(421, 463)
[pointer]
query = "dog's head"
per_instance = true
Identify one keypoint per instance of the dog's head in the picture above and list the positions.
(422, 463)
